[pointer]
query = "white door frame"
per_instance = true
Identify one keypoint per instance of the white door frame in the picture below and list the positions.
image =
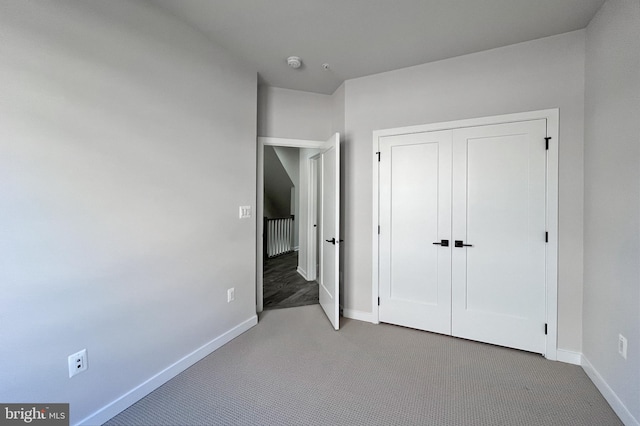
(552, 116)
(313, 274)
(262, 142)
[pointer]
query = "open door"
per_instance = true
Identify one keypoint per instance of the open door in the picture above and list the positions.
(330, 230)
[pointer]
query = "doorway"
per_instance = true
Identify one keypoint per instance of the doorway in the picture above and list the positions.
(287, 282)
(324, 156)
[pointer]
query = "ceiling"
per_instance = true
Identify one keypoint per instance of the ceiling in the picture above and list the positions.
(363, 37)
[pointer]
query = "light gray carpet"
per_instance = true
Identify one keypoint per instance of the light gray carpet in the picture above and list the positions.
(293, 369)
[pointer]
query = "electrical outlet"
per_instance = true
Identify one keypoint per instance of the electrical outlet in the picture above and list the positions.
(78, 363)
(622, 346)
(231, 295)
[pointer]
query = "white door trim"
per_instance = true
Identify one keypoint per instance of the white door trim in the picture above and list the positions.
(292, 143)
(262, 142)
(552, 117)
(312, 217)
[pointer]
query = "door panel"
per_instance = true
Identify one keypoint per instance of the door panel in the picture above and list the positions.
(330, 224)
(498, 283)
(414, 220)
(415, 212)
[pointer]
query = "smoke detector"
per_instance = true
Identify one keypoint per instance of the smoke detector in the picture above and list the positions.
(294, 62)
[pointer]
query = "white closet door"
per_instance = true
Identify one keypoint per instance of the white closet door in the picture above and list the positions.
(415, 212)
(498, 282)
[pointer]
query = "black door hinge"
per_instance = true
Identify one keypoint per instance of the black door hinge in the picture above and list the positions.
(545, 328)
(378, 301)
(546, 237)
(378, 154)
(546, 140)
(378, 229)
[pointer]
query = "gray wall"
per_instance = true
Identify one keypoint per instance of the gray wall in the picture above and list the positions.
(612, 198)
(127, 144)
(292, 114)
(541, 74)
(337, 110)
(277, 186)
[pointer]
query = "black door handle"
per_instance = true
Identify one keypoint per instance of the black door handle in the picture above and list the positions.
(460, 243)
(333, 241)
(443, 243)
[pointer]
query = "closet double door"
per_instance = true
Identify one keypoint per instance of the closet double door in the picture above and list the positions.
(462, 233)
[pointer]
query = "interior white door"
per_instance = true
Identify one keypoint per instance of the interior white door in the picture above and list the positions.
(330, 224)
(415, 224)
(498, 277)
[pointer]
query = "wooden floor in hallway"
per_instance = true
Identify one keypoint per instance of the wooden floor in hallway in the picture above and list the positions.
(284, 287)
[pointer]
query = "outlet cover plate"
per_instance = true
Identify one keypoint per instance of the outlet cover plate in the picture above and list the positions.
(78, 363)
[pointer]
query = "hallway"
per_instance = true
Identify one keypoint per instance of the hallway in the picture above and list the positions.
(284, 287)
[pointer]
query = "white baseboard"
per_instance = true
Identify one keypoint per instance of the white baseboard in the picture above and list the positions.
(142, 390)
(303, 273)
(618, 406)
(569, 357)
(357, 315)
(296, 248)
